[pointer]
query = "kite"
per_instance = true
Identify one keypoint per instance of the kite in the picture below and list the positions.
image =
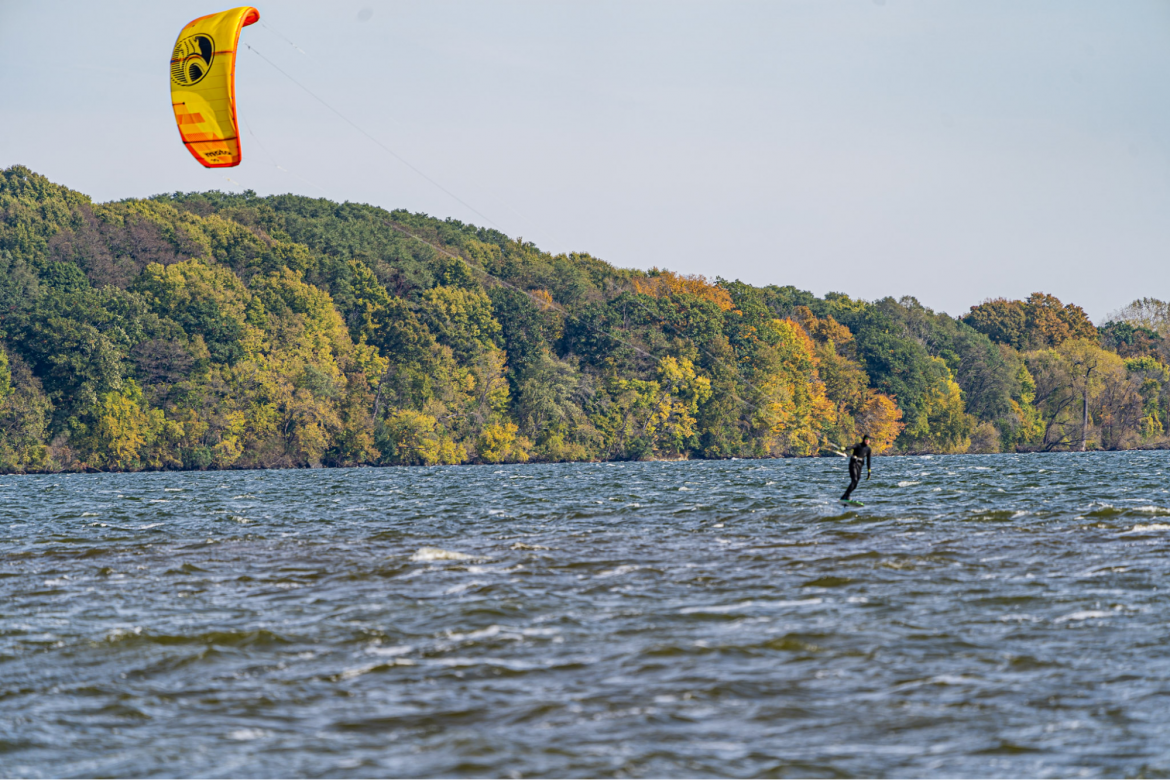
(203, 86)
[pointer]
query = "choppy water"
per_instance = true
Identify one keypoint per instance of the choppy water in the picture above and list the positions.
(982, 616)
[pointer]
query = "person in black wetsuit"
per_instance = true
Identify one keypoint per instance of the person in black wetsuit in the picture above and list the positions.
(860, 454)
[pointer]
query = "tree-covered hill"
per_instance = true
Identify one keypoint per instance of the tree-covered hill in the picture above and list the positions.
(212, 330)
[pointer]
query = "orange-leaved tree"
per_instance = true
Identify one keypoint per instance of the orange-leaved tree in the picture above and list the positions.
(661, 284)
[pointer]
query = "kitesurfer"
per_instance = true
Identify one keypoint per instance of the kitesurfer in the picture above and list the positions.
(860, 453)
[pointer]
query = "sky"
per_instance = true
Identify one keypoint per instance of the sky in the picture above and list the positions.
(952, 151)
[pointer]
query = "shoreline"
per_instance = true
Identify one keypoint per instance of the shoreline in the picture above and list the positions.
(1161, 447)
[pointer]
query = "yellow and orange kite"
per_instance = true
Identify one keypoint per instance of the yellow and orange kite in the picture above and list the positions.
(203, 86)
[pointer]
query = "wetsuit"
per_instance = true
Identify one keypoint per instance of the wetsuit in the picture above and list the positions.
(859, 455)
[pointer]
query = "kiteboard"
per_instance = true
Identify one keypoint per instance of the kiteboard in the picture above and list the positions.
(850, 502)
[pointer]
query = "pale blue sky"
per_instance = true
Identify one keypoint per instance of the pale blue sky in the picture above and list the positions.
(949, 150)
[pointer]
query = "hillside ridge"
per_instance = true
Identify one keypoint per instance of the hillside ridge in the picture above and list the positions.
(217, 330)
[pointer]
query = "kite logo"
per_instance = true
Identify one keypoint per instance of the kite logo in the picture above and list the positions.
(192, 59)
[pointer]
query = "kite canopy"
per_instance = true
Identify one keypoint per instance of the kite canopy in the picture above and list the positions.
(203, 86)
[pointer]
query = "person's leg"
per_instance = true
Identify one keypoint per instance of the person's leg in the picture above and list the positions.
(854, 478)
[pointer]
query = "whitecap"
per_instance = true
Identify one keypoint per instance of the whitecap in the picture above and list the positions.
(494, 569)
(1086, 614)
(396, 650)
(950, 679)
(118, 633)
(620, 570)
(722, 608)
(460, 588)
(357, 671)
(245, 735)
(523, 546)
(439, 554)
(1142, 527)
(514, 665)
(1018, 617)
(908, 483)
(483, 633)
(1104, 571)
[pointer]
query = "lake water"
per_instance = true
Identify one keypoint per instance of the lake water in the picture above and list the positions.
(980, 616)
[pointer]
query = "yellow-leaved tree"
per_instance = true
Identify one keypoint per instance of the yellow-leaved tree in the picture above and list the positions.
(125, 434)
(498, 443)
(24, 418)
(1090, 371)
(415, 439)
(792, 410)
(642, 419)
(950, 425)
(681, 390)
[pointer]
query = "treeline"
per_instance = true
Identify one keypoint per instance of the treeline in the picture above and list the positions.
(212, 331)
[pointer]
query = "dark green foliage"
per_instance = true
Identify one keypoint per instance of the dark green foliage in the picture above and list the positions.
(1133, 340)
(594, 336)
(897, 365)
(986, 373)
(526, 331)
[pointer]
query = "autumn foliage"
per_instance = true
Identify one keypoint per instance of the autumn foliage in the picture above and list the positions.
(1040, 321)
(215, 331)
(661, 284)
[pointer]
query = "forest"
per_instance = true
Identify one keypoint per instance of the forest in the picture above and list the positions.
(217, 330)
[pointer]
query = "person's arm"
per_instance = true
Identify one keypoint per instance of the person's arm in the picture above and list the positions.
(868, 465)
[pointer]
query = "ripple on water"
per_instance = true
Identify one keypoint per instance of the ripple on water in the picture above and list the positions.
(667, 619)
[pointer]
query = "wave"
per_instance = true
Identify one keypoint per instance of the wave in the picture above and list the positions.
(428, 554)
(1085, 614)
(255, 638)
(619, 571)
(1144, 527)
(718, 609)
